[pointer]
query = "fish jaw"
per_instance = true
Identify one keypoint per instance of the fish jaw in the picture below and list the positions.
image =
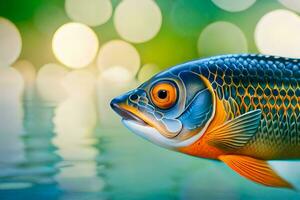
(153, 135)
(134, 123)
(147, 132)
(126, 115)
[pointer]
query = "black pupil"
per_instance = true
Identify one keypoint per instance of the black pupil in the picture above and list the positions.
(134, 97)
(162, 94)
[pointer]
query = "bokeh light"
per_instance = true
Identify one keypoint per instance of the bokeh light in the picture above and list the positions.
(49, 82)
(10, 42)
(221, 38)
(278, 32)
(11, 116)
(117, 54)
(76, 116)
(92, 68)
(79, 83)
(75, 45)
(27, 70)
(147, 71)
(137, 20)
(92, 13)
(291, 4)
(234, 5)
(75, 119)
(11, 89)
(11, 83)
(117, 74)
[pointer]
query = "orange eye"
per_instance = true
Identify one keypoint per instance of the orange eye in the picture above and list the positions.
(164, 95)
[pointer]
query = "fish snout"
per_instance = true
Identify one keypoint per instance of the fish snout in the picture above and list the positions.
(126, 99)
(124, 106)
(115, 104)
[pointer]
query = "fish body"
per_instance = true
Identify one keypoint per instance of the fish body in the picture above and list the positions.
(240, 109)
(250, 82)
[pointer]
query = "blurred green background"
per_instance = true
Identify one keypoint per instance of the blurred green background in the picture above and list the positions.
(61, 62)
(176, 41)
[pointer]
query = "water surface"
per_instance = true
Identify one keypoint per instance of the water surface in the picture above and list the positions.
(50, 152)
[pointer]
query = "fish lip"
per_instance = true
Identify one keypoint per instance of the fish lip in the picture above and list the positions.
(127, 115)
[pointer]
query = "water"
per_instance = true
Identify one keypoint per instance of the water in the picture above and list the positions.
(50, 152)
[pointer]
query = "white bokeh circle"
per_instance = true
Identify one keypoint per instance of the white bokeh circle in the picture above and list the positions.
(49, 82)
(234, 5)
(117, 74)
(11, 83)
(10, 42)
(221, 38)
(137, 21)
(278, 33)
(92, 12)
(118, 54)
(291, 4)
(75, 45)
(79, 83)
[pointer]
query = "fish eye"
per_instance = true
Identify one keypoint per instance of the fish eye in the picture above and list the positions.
(164, 95)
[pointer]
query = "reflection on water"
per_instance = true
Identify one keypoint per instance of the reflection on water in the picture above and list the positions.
(11, 88)
(62, 151)
(75, 123)
(33, 175)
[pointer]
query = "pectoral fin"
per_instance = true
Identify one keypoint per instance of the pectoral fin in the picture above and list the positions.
(235, 133)
(258, 171)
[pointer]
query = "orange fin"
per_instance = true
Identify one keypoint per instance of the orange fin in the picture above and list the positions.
(235, 133)
(256, 170)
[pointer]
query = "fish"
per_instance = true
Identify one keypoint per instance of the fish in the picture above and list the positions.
(240, 109)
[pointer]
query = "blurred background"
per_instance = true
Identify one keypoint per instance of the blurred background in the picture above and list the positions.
(62, 61)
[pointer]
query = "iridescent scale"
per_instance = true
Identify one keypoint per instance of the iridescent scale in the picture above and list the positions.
(249, 82)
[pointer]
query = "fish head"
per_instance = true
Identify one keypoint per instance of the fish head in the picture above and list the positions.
(171, 109)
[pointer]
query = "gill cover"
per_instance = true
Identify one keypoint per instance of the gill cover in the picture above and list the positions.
(199, 101)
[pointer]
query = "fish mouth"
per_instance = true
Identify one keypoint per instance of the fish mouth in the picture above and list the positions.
(127, 115)
(132, 114)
